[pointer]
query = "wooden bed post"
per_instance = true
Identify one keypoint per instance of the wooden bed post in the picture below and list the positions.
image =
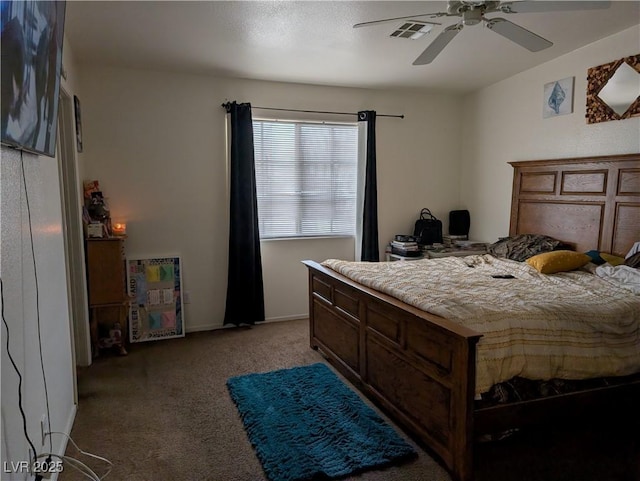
(463, 411)
(312, 342)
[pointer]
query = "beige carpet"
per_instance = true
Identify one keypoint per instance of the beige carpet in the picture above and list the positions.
(163, 413)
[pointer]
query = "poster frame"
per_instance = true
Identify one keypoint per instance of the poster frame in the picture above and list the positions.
(139, 332)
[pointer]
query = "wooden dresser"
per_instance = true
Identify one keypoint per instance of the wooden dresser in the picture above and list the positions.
(107, 289)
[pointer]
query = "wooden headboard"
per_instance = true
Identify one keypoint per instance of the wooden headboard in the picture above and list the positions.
(590, 202)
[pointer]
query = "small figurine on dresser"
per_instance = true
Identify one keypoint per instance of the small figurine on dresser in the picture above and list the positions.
(97, 209)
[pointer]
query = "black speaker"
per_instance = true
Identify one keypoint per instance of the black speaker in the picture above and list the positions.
(459, 222)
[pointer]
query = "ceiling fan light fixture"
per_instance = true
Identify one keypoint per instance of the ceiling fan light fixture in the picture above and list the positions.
(412, 30)
(472, 17)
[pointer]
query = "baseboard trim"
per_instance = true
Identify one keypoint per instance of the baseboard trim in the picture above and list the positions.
(208, 327)
(295, 317)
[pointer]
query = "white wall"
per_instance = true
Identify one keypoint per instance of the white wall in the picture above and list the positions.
(156, 143)
(19, 300)
(504, 123)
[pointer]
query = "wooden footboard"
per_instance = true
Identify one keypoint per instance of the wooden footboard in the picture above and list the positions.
(419, 367)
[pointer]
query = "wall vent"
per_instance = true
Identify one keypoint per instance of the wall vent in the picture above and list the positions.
(412, 30)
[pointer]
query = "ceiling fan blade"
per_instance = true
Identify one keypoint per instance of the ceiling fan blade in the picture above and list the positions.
(528, 6)
(518, 34)
(395, 19)
(438, 44)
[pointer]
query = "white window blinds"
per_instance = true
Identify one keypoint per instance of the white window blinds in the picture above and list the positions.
(305, 178)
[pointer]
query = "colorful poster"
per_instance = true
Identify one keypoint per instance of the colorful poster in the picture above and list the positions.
(155, 285)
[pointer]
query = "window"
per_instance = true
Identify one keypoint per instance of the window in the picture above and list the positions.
(305, 178)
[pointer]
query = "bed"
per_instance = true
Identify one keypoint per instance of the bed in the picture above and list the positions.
(421, 367)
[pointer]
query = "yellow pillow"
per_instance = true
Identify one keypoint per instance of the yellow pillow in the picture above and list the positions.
(611, 259)
(558, 261)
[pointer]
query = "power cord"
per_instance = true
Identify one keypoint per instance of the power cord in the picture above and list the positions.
(77, 464)
(13, 363)
(35, 275)
(74, 463)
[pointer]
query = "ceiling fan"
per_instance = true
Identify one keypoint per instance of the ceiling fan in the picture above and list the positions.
(473, 12)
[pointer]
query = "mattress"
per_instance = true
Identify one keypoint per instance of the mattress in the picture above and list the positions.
(570, 325)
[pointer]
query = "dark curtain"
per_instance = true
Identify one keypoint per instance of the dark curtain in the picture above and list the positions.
(245, 294)
(370, 250)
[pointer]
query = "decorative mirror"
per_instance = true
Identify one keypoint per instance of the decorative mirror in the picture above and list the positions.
(613, 90)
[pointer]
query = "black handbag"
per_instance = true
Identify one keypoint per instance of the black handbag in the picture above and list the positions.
(428, 229)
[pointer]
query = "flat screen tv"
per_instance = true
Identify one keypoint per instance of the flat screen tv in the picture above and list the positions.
(32, 34)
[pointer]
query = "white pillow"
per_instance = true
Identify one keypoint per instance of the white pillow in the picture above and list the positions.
(624, 276)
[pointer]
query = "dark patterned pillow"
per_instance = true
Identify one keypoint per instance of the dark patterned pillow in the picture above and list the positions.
(633, 261)
(521, 247)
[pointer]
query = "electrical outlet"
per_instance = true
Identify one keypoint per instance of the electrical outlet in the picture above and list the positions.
(44, 427)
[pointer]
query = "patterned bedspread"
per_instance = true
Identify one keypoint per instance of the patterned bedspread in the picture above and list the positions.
(571, 325)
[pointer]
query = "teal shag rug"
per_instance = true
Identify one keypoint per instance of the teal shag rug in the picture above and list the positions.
(306, 424)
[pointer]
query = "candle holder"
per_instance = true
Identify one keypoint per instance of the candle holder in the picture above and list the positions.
(119, 229)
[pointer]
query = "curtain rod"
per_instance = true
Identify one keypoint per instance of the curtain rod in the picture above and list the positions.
(226, 106)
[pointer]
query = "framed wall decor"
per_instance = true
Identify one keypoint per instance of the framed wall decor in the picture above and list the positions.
(155, 287)
(558, 98)
(76, 106)
(613, 90)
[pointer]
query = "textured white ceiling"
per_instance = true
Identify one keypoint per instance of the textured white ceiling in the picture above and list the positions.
(314, 42)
